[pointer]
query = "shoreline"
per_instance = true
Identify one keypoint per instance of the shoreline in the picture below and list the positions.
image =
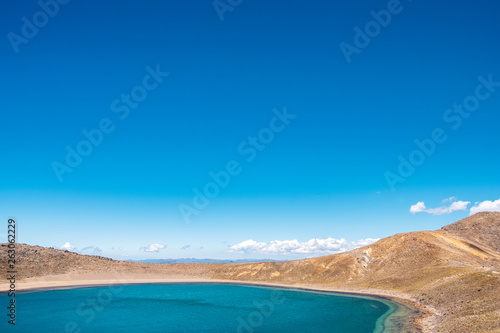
(406, 308)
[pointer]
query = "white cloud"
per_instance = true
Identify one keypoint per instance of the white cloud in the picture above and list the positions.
(91, 250)
(313, 246)
(486, 206)
(417, 208)
(153, 247)
(453, 207)
(450, 199)
(68, 247)
(363, 242)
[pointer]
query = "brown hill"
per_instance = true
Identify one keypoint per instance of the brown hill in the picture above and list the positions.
(453, 272)
(482, 228)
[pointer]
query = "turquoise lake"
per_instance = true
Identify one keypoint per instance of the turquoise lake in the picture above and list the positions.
(192, 307)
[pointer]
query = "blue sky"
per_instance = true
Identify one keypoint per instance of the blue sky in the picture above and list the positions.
(321, 173)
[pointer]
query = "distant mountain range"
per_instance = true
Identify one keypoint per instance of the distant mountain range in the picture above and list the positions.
(202, 261)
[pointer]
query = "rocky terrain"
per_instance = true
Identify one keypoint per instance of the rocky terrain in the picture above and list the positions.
(452, 274)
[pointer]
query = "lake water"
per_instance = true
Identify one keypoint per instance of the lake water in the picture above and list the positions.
(193, 308)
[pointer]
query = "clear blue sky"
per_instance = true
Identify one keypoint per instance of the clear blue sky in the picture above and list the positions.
(323, 175)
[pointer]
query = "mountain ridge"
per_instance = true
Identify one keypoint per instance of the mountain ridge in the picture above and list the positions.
(199, 261)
